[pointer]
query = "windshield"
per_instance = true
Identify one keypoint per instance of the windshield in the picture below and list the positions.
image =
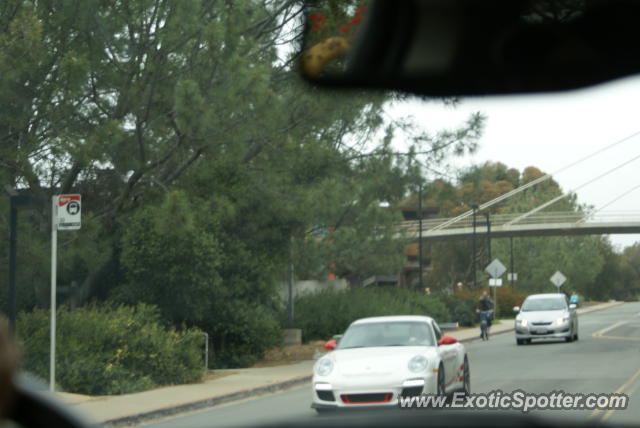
(186, 217)
(387, 334)
(551, 304)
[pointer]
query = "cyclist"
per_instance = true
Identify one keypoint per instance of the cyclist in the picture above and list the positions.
(573, 300)
(485, 309)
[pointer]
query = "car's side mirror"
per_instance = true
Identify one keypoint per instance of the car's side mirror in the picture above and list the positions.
(516, 309)
(572, 306)
(330, 345)
(447, 340)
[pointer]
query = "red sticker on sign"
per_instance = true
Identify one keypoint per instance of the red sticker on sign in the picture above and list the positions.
(65, 199)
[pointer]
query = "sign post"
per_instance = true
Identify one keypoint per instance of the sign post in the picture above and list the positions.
(65, 215)
(495, 269)
(558, 279)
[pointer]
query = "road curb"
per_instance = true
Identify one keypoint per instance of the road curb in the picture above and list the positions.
(596, 309)
(202, 404)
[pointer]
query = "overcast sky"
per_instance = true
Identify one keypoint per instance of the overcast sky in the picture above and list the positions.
(552, 131)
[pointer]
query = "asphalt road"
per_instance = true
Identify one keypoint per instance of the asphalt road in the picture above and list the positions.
(606, 359)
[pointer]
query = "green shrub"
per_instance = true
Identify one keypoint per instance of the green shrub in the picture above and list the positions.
(507, 298)
(242, 334)
(111, 350)
(324, 314)
(462, 311)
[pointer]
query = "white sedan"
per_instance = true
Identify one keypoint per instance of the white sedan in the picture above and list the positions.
(379, 359)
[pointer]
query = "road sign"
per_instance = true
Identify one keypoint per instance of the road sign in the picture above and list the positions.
(512, 277)
(558, 279)
(65, 215)
(495, 269)
(68, 210)
(495, 282)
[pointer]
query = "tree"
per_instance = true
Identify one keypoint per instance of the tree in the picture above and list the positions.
(121, 98)
(158, 110)
(620, 276)
(171, 263)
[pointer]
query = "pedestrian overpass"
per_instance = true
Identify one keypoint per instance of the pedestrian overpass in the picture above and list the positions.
(517, 225)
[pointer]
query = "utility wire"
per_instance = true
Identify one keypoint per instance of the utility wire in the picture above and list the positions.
(557, 198)
(617, 198)
(532, 183)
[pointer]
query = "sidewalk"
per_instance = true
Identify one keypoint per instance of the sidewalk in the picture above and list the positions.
(234, 384)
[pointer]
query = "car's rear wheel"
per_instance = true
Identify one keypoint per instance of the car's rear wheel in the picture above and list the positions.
(466, 378)
(440, 385)
(576, 336)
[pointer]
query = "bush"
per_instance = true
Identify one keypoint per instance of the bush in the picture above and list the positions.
(507, 298)
(111, 350)
(324, 314)
(242, 334)
(462, 311)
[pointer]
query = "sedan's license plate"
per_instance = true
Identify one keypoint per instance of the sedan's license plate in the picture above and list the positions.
(541, 331)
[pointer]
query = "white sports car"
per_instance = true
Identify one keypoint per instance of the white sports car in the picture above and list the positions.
(379, 359)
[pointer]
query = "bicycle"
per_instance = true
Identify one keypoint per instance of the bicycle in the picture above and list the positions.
(485, 324)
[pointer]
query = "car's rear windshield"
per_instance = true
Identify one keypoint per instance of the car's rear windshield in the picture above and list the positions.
(548, 304)
(396, 333)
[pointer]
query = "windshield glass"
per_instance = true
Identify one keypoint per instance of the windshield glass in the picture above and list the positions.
(186, 216)
(387, 334)
(550, 304)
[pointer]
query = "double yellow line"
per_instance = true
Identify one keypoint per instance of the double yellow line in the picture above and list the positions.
(620, 390)
(600, 334)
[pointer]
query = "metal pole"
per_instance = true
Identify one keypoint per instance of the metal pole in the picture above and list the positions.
(290, 302)
(13, 232)
(473, 257)
(495, 288)
(54, 256)
(206, 352)
(420, 262)
(487, 216)
(511, 251)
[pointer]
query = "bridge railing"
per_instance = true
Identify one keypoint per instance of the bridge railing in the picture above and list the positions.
(498, 220)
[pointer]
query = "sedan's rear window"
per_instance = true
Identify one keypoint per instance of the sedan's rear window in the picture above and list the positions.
(398, 333)
(550, 304)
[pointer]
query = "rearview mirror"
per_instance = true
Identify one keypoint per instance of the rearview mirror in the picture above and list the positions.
(516, 309)
(467, 47)
(447, 340)
(330, 345)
